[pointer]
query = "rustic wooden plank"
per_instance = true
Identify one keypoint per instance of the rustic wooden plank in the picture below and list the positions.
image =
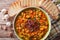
(5, 3)
(4, 34)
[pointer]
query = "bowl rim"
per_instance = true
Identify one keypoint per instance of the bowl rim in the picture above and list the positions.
(49, 29)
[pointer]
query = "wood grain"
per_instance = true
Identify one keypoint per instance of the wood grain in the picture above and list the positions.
(5, 3)
(4, 35)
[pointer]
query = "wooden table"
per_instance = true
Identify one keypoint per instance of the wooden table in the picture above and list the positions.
(4, 4)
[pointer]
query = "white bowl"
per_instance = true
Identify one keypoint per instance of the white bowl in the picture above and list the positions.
(46, 35)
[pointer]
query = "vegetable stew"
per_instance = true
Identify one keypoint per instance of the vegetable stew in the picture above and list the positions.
(31, 24)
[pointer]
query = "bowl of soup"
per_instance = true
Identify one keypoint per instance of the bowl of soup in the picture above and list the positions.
(32, 23)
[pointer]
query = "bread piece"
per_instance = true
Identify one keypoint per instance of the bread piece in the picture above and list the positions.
(14, 8)
(51, 8)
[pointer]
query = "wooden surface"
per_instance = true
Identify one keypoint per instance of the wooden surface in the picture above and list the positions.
(5, 3)
(4, 35)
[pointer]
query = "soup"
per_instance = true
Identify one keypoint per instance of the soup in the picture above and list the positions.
(31, 24)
